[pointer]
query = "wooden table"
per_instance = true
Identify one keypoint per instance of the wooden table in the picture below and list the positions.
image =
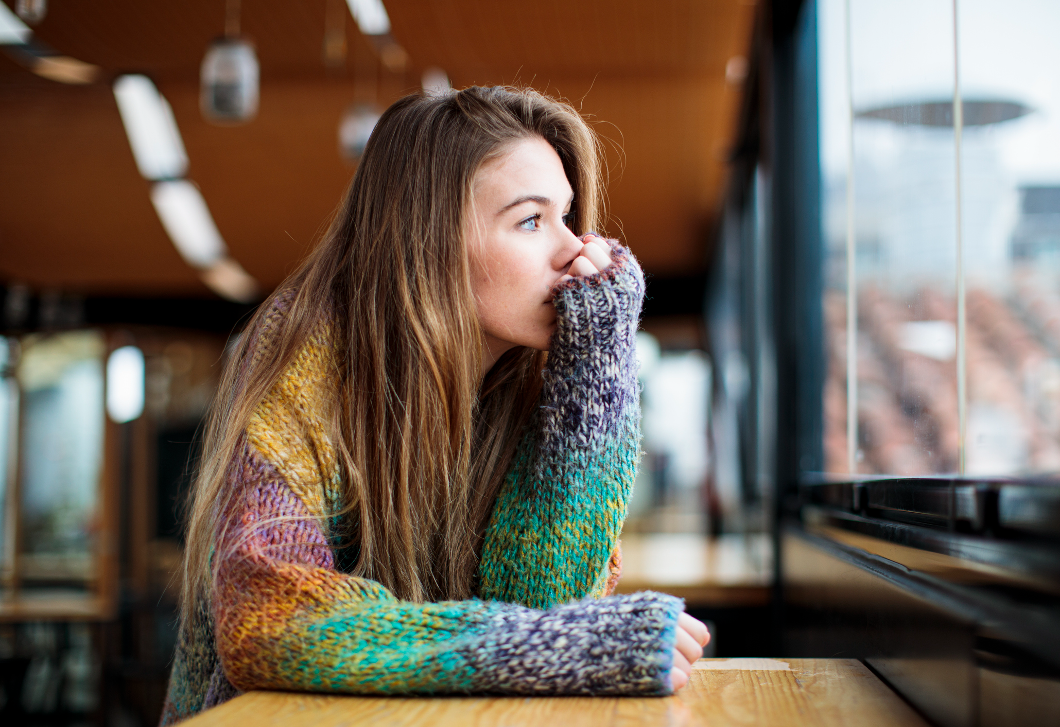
(31, 605)
(725, 571)
(722, 693)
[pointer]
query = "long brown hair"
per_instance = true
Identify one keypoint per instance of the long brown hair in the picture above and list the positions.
(423, 442)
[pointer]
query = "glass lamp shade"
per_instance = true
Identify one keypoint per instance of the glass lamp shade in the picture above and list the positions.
(229, 81)
(356, 127)
(32, 11)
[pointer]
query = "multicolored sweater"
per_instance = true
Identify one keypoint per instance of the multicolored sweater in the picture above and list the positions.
(282, 616)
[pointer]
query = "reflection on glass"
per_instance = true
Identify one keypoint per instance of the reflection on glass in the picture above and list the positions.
(904, 233)
(900, 111)
(8, 427)
(675, 405)
(1011, 53)
(61, 377)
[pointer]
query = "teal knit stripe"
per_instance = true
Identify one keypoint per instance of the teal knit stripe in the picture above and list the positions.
(548, 541)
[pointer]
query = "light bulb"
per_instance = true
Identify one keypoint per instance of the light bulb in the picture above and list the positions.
(32, 11)
(125, 384)
(435, 81)
(356, 128)
(151, 128)
(229, 81)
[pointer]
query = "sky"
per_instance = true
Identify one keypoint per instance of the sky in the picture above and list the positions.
(903, 50)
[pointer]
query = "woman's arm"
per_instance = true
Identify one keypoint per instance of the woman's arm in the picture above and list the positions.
(559, 513)
(286, 619)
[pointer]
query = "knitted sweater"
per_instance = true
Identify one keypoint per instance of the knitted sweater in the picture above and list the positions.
(281, 615)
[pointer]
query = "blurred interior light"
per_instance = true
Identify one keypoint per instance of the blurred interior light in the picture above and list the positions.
(151, 128)
(125, 384)
(188, 223)
(394, 57)
(229, 81)
(435, 80)
(229, 280)
(935, 339)
(32, 11)
(335, 34)
(939, 112)
(370, 15)
(65, 69)
(736, 70)
(355, 129)
(12, 30)
(648, 353)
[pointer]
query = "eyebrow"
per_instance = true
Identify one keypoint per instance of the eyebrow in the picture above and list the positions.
(544, 201)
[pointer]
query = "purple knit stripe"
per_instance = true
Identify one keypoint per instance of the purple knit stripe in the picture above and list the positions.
(220, 689)
(267, 520)
(595, 341)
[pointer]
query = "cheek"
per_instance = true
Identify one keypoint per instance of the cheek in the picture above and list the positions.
(510, 290)
(505, 278)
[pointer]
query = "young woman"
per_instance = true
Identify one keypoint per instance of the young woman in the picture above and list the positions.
(400, 492)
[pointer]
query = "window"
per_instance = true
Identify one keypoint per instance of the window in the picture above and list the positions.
(942, 240)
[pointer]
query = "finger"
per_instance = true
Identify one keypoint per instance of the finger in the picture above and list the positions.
(600, 257)
(688, 646)
(582, 266)
(678, 679)
(595, 239)
(606, 244)
(680, 662)
(695, 628)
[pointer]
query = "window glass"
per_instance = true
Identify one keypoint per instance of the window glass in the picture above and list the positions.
(890, 166)
(1008, 57)
(675, 402)
(61, 378)
(904, 233)
(8, 425)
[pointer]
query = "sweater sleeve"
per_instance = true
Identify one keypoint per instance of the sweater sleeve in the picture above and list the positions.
(560, 510)
(285, 618)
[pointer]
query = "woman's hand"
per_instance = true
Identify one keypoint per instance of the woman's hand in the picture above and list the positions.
(594, 257)
(692, 636)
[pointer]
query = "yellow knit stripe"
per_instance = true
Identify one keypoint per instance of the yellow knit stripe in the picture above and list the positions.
(290, 426)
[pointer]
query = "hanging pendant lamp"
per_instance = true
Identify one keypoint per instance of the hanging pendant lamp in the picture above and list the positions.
(31, 11)
(356, 127)
(229, 78)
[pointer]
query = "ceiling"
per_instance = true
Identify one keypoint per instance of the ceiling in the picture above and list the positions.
(75, 214)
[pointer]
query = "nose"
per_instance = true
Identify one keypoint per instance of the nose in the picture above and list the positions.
(568, 247)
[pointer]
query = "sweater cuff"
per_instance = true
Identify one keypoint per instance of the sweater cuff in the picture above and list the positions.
(590, 379)
(593, 310)
(612, 646)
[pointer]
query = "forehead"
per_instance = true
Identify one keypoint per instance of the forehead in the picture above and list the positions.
(526, 167)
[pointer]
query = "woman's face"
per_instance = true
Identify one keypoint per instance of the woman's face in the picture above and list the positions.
(519, 245)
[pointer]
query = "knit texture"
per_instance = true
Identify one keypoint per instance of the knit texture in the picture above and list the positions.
(282, 615)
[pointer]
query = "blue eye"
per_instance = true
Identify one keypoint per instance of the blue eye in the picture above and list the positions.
(530, 223)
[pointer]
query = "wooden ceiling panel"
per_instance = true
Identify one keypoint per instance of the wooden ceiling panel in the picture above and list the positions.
(75, 214)
(517, 41)
(168, 39)
(271, 185)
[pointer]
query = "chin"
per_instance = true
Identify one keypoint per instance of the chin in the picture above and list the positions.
(536, 338)
(537, 343)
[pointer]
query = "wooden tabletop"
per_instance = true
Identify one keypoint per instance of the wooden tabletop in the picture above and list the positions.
(727, 570)
(722, 693)
(54, 606)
